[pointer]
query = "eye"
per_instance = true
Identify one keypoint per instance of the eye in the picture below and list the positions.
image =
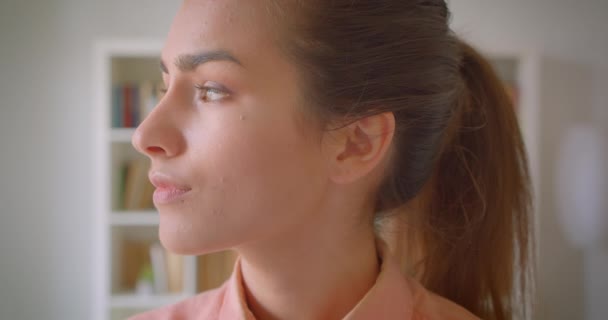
(210, 93)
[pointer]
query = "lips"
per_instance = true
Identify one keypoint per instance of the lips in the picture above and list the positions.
(168, 189)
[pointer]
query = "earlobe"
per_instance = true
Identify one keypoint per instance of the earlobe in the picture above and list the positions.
(361, 147)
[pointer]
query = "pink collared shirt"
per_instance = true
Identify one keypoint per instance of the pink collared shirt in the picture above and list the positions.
(393, 296)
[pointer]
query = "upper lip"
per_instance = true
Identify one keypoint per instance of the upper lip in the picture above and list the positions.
(164, 181)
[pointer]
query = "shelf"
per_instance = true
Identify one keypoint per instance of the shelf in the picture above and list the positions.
(144, 301)
(214, 269)
(121, 134)
(124, 236)
(140, 218)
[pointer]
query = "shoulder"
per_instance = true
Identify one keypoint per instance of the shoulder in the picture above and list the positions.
(431, 306)
(206, 305)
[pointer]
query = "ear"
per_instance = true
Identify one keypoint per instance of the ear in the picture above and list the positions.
(358, 148)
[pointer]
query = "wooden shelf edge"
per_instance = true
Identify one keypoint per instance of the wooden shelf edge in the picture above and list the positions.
(140, 218)
(121, 134)
(133, 301)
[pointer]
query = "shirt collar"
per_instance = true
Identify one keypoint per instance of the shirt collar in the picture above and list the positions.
(389, 298)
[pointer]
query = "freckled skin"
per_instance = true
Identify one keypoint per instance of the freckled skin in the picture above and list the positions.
(253, 172)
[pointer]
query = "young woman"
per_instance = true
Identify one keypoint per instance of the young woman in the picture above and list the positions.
(362, 161)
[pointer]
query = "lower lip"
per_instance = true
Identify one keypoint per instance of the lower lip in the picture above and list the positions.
(168, 195)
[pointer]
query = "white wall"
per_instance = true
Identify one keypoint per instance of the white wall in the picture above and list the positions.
(45, 171)
(566, 29)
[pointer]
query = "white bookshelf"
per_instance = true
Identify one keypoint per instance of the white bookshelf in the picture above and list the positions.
(136, 60)
(144, 302)
(121, 134)
(129, 61)
(140, 218)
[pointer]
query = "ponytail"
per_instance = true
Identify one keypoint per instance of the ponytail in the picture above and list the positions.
(476, 236)
(457, 173)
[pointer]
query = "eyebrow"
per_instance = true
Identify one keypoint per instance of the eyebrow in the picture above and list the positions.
(189, 62)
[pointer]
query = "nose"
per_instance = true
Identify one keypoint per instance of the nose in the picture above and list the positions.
(159, 134)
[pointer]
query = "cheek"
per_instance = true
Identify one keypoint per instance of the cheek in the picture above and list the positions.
(252, 179)
(265, 168)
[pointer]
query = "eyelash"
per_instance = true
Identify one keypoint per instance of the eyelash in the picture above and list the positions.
(207, 89)
(204, 89)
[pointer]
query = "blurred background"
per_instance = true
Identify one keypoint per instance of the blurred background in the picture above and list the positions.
(73, 238)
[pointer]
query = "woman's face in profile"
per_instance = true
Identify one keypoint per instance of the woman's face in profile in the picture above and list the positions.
(231, 158)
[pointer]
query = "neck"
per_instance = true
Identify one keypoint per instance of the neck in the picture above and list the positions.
(314, 272)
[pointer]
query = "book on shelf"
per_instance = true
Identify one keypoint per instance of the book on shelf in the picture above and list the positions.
(159, 268)
(134, 256)
(214, 269)
(175, 272)
(134, 186)
(132, 102)
(167, 269)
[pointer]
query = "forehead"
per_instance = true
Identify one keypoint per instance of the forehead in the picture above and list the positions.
(241, 27)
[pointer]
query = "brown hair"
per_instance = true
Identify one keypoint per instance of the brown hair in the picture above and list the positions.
(458, 149)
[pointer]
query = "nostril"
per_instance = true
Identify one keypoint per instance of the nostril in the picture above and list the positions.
(155, 149)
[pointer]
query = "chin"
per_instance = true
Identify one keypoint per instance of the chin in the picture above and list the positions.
(188, 242)
(179, 243)
(176, 246)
